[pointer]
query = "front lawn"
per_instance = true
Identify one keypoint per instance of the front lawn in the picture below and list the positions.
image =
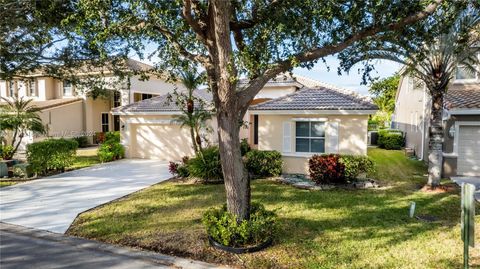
(318, 229)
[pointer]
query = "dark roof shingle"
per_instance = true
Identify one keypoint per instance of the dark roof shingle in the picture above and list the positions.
(319, 98)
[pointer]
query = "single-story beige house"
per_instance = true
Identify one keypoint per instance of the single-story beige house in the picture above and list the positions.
(310, 120)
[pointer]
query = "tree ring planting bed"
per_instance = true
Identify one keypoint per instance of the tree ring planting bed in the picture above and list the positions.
(240, 250)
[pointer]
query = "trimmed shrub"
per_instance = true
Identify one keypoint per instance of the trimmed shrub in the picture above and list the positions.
(223, 227)
(206, 166)
(326, 169)
(82, 141)
(244, 147)
(6, 152)
(356, 165)
(22, 170)
(179, 169)
(51, 154)
(264, 163)
(111, 149)
(390, 139)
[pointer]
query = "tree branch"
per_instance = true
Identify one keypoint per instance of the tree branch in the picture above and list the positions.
(194, 23)
(249, 23)
(281, 66)
(205, 61)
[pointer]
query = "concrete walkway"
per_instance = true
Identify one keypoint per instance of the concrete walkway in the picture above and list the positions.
(53, 203)
(22, 247)
(472, 180)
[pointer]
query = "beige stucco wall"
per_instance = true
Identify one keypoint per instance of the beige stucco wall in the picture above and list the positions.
(64, 121)
(93, 113)
(352, 137)
(158, 137)
(410, 116)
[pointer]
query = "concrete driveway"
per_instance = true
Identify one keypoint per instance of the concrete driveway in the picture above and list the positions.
(53, 203)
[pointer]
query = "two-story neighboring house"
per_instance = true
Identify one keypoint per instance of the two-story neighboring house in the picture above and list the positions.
(461, 121)
(69, 112)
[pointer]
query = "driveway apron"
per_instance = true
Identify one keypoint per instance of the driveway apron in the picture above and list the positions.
(53, 203)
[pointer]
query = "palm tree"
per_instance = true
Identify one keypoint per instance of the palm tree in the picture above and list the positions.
(20, 117)
(435, 65)
(192, 117)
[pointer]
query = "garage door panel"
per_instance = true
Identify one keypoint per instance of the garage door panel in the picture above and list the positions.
(468, 162)
(163, 142)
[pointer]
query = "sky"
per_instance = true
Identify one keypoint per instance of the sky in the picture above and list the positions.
(352, 80)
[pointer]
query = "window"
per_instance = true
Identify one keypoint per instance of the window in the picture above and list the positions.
(310, 136)
(67, 88)
(462, 73)
(116, 99)
(146, 96)
(32, 88)
(116, 122)
(105, 122)
(11, 88)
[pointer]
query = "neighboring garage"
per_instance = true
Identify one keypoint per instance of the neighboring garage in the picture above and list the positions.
(468, 160)
(149, 129)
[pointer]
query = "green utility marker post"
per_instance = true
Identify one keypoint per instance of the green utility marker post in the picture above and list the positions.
(468, 220)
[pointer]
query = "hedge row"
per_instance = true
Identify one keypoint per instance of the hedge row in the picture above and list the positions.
(51, 154)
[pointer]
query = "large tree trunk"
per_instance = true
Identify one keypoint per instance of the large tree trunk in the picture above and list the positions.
(435, 154)
(222, 77)
(237, 184)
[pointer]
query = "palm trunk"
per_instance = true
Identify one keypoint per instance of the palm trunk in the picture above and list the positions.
(435, 155)
(194, 143)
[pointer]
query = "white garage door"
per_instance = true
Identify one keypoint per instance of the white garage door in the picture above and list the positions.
(468, 162)
(159, 141)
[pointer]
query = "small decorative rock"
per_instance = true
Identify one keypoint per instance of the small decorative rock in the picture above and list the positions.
(302, 182)
(307, 186)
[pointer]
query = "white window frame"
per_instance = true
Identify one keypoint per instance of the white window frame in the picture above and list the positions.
(310, 137)
(64, 87)
(11, 84)
(467, 80)
(34, 83)
(119, 95)
(107, 124)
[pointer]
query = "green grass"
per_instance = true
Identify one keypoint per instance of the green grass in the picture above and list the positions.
(84, 158)
(318, 229)
(84, 161)
(7, 183)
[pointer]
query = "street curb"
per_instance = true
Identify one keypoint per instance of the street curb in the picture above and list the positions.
(86, 244)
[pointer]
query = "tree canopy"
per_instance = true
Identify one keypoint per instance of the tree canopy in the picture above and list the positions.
(256, 39)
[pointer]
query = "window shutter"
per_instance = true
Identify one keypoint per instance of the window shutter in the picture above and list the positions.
(332, 137)
(287, 136)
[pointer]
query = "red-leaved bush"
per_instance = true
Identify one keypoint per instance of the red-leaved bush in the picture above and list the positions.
(173, 168)
(326, 169)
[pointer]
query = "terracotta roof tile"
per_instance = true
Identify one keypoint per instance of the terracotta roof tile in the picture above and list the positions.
(319, 98)
(463, 96)
(160, 104)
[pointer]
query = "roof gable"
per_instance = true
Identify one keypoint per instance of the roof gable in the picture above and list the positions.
(161, 103)
(319, 98)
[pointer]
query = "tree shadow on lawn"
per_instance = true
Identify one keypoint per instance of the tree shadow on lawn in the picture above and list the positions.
(166, 218)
